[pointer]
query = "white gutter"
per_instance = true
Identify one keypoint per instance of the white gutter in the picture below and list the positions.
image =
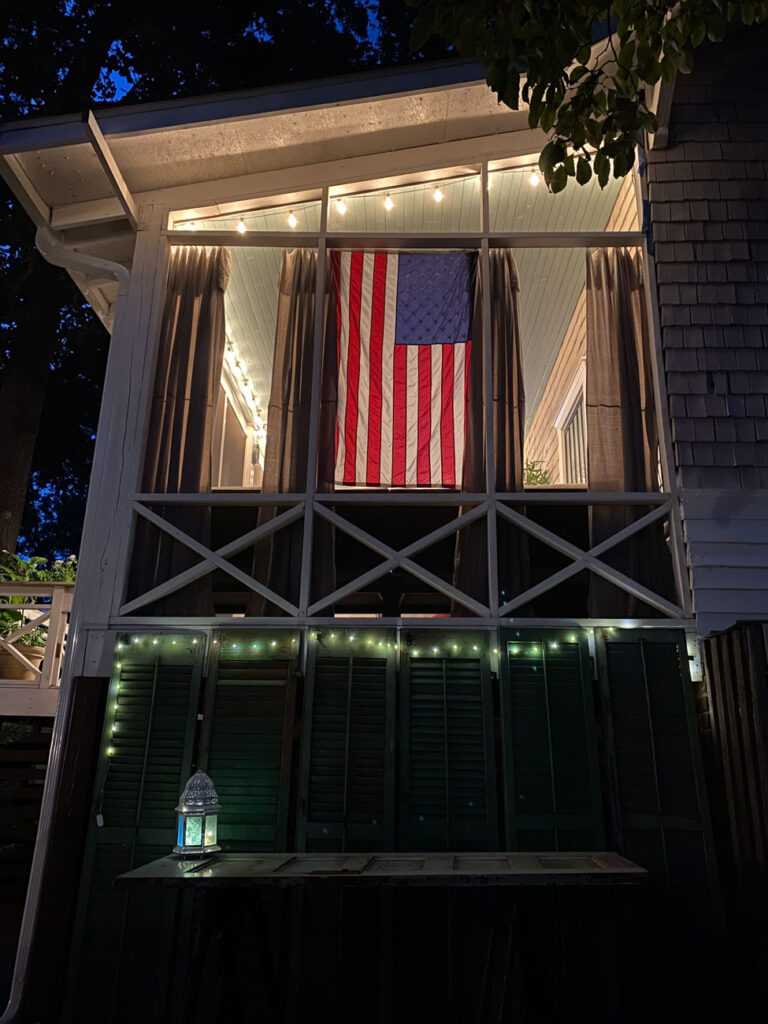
(55, 253)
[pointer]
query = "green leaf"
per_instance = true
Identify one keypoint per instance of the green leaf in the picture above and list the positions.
(578, 73)
(421, 31)
(698, 32)
(547, 118)
(583, 171)
(559, 179)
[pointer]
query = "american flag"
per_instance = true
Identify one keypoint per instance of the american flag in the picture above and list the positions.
(403, 364)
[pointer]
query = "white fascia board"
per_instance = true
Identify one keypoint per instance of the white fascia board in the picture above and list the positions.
(145, 118)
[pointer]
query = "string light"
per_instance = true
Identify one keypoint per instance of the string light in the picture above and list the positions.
(434, 650)
(534, 179)
(341, 207)
(437, 194)
(388, 203)
(241, 226)
(292, 222)
(572, 638)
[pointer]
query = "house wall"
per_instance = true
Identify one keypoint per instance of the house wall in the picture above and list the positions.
(708, 198)
(541, 438)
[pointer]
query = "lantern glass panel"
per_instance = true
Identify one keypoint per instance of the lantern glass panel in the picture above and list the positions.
(194, 831)
(211, 822)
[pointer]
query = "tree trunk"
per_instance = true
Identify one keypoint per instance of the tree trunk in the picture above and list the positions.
(21, 402)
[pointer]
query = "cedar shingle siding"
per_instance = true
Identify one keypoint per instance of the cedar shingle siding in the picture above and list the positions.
(708, 195)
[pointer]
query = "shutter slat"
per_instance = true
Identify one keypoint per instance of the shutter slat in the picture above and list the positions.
(346, 800)
(447, 760)
(655, 758)
(553, 795)
(249, 715)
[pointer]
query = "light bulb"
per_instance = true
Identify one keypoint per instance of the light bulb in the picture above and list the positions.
(341, 207)
(241, 226)
(534, 179)
(292, 222)
(388, 204)
(437, 195)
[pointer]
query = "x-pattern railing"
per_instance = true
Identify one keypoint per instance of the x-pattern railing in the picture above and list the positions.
(469, 509)
(44, 605)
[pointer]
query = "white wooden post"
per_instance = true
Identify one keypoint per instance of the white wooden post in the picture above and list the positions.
(107, 531)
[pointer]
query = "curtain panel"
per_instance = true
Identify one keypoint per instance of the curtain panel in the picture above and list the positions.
(178, 446)
(277, 560)
(508, 424)
(622, 431)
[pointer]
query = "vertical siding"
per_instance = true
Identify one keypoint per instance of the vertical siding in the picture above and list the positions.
(541, 439)
(709, 219)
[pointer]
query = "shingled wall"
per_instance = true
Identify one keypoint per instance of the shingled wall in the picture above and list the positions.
(708, 197)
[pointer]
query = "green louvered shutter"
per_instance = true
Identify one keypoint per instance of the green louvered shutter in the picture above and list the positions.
(553, 797)
(346, 790)
(246, 745)
(447, 764)
(653, 747)
(149, 731)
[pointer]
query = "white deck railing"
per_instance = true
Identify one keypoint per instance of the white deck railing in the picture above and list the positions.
(45, 605)
(467, 508)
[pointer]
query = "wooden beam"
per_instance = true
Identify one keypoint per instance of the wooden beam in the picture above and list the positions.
(111, 169)
(24, 190)
(80, 215)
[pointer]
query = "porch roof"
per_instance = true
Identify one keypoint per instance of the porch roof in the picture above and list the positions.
(168, 152)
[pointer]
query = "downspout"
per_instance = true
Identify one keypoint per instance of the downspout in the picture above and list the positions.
(60, 256)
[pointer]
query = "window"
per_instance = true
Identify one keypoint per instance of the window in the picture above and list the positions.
(571, 427)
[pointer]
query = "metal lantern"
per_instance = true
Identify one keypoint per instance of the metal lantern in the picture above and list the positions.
(198, 817)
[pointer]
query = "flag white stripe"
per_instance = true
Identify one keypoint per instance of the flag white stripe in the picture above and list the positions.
(435, 435)
(344, 266)
(388, 371)
(364, 385)
(459, 387)
(412, 417)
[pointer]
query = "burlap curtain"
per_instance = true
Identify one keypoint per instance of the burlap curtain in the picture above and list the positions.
(622, 432)
(178, 448)
(508, 412)
(277, 561)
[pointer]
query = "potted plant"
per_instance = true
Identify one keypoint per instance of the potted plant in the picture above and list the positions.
(31, 644)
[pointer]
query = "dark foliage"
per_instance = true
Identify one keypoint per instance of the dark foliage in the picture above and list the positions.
(60, 56)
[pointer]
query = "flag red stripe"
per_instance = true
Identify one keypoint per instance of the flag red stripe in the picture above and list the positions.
(353, 367)
(373, 470)
(423, 475)
(447, 459)
(399, 394)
